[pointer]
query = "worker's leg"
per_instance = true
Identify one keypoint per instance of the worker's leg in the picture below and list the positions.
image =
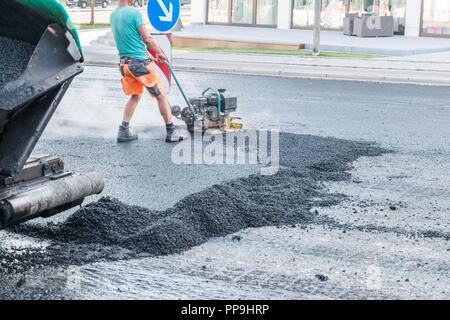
(130, 107)
(164, 108)
(125, 133)
(147, 75)
(134, 89)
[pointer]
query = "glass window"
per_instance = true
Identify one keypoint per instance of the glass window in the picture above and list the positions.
(242, 11)
(267, 12)
(436, 17)
(361, 5)
(303, 14)
(333, 13)
(218, 11)
(397, 9)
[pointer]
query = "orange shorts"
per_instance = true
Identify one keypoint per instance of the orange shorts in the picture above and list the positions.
(138, 74)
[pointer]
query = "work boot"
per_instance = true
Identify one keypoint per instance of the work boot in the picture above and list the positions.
(126, 134)
(173, 135)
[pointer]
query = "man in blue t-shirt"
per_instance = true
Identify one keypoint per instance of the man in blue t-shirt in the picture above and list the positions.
(132, 40)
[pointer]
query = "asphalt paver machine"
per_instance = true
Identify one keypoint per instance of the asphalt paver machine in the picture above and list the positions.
(40, 55)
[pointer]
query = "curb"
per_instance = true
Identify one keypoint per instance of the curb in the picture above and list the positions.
(302, 75)
(187, 42)
(318, 65)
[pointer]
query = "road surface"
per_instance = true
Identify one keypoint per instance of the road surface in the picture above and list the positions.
(397, 204)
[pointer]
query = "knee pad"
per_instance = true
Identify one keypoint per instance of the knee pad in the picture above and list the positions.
(154, 91)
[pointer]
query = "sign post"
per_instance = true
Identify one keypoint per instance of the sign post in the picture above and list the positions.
(164, 41)
(316, 33)
(163, 16)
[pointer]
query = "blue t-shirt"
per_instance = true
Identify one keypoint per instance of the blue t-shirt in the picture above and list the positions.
(125, 22)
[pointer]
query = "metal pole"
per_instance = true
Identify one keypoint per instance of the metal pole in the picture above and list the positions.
(316, 35)
(92, 11)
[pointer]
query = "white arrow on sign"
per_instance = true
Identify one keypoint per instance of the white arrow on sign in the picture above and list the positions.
(168, 13)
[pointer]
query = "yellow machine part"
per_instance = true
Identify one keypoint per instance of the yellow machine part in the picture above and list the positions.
(231, 125)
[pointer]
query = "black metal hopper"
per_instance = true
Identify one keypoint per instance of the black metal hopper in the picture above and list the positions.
(27, 103)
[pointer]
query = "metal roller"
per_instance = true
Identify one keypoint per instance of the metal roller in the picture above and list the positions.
(50, 198)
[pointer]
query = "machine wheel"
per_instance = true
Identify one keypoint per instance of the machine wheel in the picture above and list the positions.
(105, 4)
(83, 5)
(176, 111)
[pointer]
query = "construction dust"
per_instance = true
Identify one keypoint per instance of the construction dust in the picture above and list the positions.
(15, 55)
(109, 229)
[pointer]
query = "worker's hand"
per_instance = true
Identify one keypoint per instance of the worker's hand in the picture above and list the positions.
(161, 57)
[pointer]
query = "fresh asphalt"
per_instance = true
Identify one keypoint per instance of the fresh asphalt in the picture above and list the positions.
(405, 190)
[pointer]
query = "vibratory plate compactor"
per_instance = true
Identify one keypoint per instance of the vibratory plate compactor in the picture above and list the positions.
(211, 111)
(40, 55)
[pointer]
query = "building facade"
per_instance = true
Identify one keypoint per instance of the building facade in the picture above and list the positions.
(412, 17)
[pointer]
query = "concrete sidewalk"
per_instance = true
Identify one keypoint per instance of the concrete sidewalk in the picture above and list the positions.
(378, 70)
(101, 52)
(330, 40)
(438, 57)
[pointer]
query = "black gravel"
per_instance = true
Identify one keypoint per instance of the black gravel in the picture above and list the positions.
(109, 229)
(14, 55)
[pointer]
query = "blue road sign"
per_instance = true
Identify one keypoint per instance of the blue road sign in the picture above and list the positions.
(163, 14)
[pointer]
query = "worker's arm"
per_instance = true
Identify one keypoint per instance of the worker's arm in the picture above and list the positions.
(151, 43)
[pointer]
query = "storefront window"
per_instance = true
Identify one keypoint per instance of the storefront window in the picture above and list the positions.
(333, 12)
(218, 11)
(361, 5)
(242, 11)
(259, 12)
(396, 8)
(303, 14)
(436, 17)
(267, 12)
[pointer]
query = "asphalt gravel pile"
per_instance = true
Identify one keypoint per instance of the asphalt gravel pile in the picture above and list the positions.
(14, 55)
(109, 229)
